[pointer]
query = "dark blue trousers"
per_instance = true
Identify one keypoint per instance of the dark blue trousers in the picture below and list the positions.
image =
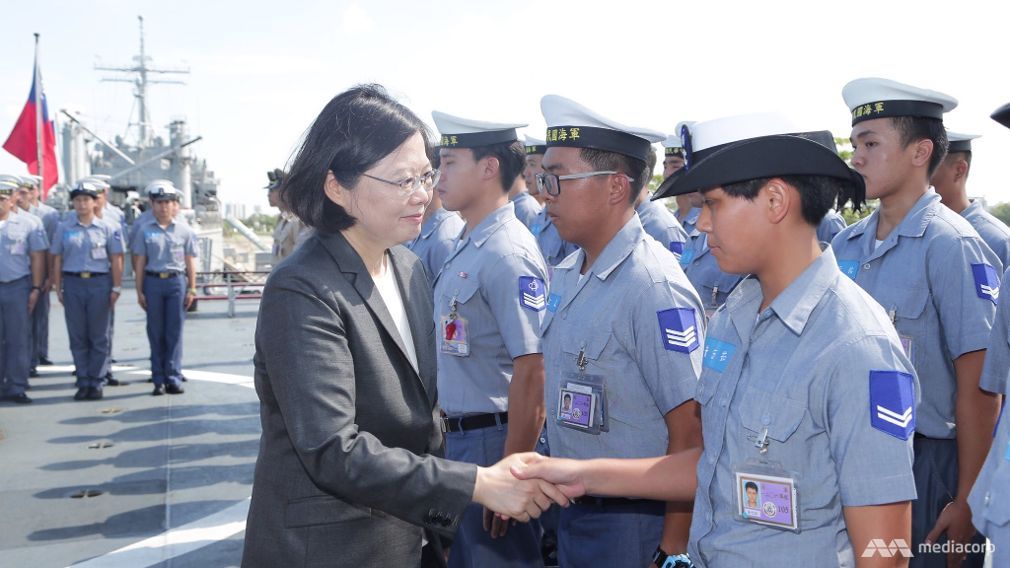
(165, 313)
(40, 330)
(86, 305)
(15, 325)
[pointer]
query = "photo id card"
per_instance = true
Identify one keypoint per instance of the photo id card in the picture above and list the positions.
(576, 408)
(767, 500)
(454, 340)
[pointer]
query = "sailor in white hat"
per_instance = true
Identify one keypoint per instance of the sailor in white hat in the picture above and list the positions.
(527, 208)
(630, 369)
(688, 206)
(490, 297)
(40, 317)
(950, 180)
(939, 282)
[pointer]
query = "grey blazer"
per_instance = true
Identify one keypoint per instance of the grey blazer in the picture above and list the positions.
(346, 473)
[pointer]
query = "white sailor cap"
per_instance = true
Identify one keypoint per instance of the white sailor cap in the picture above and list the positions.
(7, 187)
(1002, 115)
(11, 178)
(101, 181)
(457, 132)
(161, 189)
(572, 125)
(741, 148)
(535, 145)
(31, 181)
(960, 142)
(872, 97)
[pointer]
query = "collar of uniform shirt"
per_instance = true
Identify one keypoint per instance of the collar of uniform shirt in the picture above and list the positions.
(490, 224)
(794, 305)
(913, 225)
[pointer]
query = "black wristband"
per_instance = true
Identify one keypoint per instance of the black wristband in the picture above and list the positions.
(39, 288)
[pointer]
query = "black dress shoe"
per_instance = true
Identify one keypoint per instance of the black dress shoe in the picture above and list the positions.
(183, 377)
(174, 389)
(82, 393)
(110, 382)
(44, 361)
(18, 398)
(158, 390)
(95, 393)
(33, 373)
(73, 373)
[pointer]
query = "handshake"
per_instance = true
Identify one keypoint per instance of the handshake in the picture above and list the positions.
(523, 486)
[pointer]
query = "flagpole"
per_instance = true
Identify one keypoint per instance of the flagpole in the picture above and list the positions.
(38, 115)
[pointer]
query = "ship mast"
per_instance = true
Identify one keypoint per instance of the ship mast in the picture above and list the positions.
(139, 71)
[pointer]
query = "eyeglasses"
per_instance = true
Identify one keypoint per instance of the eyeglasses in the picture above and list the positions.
(409, 185)
(551, 183)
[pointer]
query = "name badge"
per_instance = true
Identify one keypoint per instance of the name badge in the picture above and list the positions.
(455, 340)
(767, 499)
(19, 248)
(99, 253)
(178, 255)
(577, 406)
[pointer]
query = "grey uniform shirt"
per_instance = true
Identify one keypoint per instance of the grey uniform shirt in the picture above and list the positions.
(939, 282)
(166, 248)
(814, 370)
(488, 277)
(993, 231)
(19, 237)
(661, 224)
(996, 369)
(437, 239)
(526, 208)
(552, 246)
(830, 225)
(640, 326)
(86, 248)
(146, 216)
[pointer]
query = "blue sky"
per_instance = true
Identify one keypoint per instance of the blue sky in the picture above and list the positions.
(261, 71)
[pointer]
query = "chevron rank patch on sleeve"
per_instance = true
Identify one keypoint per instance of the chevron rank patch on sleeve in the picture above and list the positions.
(986, 282)
(892, 403)
(532, 293)
(678, 329)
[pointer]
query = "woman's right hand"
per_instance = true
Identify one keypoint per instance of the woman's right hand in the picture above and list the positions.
(500, 491)
(565, 474)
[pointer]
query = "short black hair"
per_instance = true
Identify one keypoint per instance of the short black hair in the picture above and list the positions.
(750, 485)
(915, 128)
(354, 131)
(634, 168)
(511, 160)
(818, 194)
(965, 155)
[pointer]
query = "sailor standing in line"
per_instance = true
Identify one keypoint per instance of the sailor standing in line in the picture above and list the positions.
(950, 179)
(526, 207)
(990, 497)
(939, 283)
(621, 336)
(22, 270)
(164, 253)
(535, 149)
(489, 301)
(40, 317)
(688, 206)
(87, 274)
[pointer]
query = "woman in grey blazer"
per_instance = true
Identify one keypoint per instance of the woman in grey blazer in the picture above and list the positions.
(348, 473)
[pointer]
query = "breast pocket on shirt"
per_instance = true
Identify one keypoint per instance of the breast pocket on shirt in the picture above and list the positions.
(774, 414)
(17, 244)
(907, 309)
(99, 250)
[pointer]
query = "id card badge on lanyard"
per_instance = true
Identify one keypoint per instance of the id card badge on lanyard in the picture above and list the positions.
(906, 340)
(453, 333)
(766, 493)
(582, 400)
(99, 253)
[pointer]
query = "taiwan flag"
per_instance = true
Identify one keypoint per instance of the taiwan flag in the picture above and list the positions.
(32, 130)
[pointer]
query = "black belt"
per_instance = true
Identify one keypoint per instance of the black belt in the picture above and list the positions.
(473, 422)
(84, 274)
(163, 275)
(614, 502)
